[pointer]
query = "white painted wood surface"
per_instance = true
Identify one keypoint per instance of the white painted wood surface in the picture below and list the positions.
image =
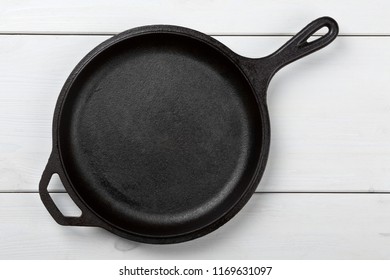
(271, 226)
(214, 17)
(329, 113)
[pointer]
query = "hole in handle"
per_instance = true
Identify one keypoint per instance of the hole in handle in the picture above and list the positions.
(61, 198)
(318, 34)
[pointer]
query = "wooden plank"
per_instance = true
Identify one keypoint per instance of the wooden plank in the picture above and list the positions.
(214, 17)
(329, 112)
(271, 226)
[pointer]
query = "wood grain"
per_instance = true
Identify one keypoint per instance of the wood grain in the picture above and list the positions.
(214, 17)
(271, 226)
(329, 112)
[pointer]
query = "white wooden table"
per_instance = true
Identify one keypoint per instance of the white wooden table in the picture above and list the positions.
(326, 190)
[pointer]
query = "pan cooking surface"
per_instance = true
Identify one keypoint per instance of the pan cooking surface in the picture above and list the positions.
(160, 134)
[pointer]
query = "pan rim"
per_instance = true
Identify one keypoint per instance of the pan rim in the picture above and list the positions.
(263, 126)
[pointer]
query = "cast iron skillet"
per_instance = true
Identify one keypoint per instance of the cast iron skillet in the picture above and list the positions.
(161, 133)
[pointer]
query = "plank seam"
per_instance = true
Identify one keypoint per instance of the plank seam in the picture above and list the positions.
(267, 192)
(38, 33)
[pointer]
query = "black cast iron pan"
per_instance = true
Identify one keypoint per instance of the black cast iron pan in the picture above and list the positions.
(161, 133)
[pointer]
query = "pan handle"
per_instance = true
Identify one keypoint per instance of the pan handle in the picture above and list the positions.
(298, 46)
(85, 219)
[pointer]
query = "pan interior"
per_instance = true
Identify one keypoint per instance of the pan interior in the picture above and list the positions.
(160, 134)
